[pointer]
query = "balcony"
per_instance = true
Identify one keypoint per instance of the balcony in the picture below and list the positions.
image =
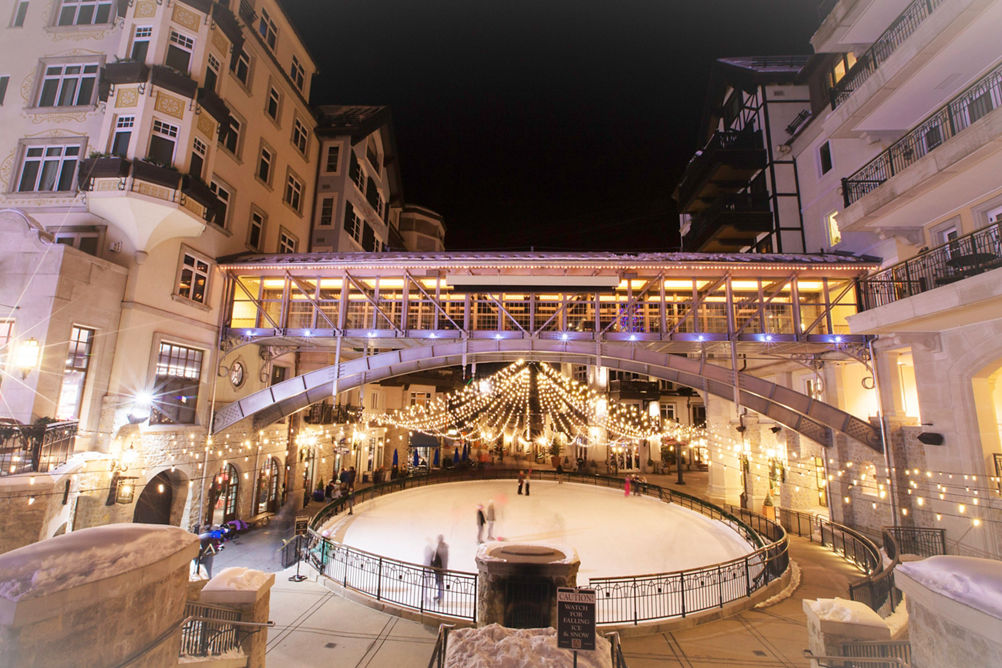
(103, 167)
(725, 165)
(35, 448)
(901, 29)
(203, 6)
(634, 390)
(956, 116)
(214, 105)
(170, 79)
(728, 224)
(228, 23)
(954, 261)
(149, 203)
(123, 72)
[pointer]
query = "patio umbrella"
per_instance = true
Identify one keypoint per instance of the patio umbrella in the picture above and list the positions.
(455, 456)
(466, 452)
(436, 456)
(395, 459)
(417, 460)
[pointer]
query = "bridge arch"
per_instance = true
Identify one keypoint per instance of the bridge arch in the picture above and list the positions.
(797, 411)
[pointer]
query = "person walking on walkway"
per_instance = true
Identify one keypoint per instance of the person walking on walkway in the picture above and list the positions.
(481, 521)
(490, 520)
(439, 564)
(521, 480)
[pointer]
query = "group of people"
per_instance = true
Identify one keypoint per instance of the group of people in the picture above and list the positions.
(524, 478)
(485, 517)
(633, 483)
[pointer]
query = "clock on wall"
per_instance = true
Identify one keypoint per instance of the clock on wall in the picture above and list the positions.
(237, 374)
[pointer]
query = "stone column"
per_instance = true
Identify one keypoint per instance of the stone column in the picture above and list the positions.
(250, 592)
(832, 622)
(500, 563)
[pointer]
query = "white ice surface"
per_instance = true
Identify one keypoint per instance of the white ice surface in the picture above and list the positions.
(613, 534)
(495, 646)
(969, 580)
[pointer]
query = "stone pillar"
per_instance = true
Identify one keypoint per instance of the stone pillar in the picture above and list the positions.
(505, 569)
(250, 592)
(833, 621)
(96, 597)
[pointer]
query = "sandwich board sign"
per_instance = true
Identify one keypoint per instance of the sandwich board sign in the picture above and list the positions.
(575, 618)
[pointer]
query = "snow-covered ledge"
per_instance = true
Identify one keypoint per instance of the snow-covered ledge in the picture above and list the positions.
(96, 597)
(954, 610)
(249, 591)
(834, 621)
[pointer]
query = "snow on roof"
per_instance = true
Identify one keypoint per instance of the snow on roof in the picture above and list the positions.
(84, 556)
(538, 258)
(974, 582)
(495, 645)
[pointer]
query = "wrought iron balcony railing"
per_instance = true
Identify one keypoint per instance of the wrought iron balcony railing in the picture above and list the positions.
(955, 260)
(35, 448)
(957, 115)
(901, 29)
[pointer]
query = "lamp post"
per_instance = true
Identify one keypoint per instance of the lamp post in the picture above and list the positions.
(27, 355)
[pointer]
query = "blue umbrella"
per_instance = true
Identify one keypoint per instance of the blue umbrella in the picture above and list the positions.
(417, 460)
(395, 460)
(436, 456)
(455, 456)
(466, 452)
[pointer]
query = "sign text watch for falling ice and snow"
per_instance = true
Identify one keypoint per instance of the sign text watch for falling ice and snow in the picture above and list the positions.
(575, 618)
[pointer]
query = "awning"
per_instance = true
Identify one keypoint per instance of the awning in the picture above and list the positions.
(422, 440)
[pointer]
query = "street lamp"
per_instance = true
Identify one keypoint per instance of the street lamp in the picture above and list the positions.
(27, 354)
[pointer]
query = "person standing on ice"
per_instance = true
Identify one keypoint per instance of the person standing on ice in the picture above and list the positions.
(626, 486)
(528, 479)
(521, 480)
(439, 564)
(490, 520)
(481, 521)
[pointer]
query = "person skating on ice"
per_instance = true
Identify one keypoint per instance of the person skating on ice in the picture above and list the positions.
(521, 480)
(490, 520)
(481, 521)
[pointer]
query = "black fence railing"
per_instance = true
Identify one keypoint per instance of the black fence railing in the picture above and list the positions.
(866, 64)
(957, 115)
(629, 599)
(960, 258)
(922, 541)
(210, 631)
(35, 448)
(896, 652)
(322, 413)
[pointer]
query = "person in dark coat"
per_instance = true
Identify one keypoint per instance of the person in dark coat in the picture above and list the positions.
(481, 521)
(521, 480)
(208, 545)
(528, 479)
(439, 564)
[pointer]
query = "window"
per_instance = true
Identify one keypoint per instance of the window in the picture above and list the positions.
(293, 192)
(75, 373)
(352, 222)
(297, 73)
(355, 172)
(825, 158)
(814, 388)
(179, 370)
(70, 85)
(240, 66)
(831, 227)
(141, 43)
(333, 156)
(980, 105)
(212, 72)
(179, 52)
(420, 398)
(372, 154)
(231, 138)
(326, 210)
(273, 101)
(86, 238)
(4, 81)
(368, 238)
(193, 279)
(841, 67)
(267, 29)
(162, 142)
(264, 165)
(84, 12)
(20, 11)
(256, 230)
(48, 168)
(299, 135)
(223, 194)
(286, 242)
(198, 149)
(6, 330)
(372, 195)
(667, 412)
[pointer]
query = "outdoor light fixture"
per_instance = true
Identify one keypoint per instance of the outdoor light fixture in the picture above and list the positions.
(930, 438)
(775, 429)
(140, 409)
(27, 354)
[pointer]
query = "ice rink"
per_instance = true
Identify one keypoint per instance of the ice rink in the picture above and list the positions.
(613, 535)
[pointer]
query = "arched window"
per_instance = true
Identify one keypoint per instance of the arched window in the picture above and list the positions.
(266, 493)
(223, 495)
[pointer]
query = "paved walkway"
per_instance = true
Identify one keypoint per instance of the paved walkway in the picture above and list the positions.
(316, 626)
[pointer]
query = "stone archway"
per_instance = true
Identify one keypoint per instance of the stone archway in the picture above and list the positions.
(800, 412)
(155, 501)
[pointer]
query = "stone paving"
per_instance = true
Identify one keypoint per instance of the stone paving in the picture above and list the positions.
(316, 626)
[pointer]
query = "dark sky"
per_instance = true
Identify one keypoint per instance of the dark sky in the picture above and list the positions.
(549, 123)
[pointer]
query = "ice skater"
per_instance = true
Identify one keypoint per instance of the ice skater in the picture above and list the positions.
(626, 485)
(528, 479)
(490, 520)
(481, 521)
(439, 564)
(521, 481)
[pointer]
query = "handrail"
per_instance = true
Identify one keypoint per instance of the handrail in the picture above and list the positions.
(441, 646)
(407, 584)
(952, 118)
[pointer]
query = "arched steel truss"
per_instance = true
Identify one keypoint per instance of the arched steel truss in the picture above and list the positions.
(797, 411)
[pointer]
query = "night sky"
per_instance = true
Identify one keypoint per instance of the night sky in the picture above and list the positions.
(550, 124)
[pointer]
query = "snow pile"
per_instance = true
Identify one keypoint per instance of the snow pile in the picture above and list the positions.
(850, 612)
(85, 556)
(898, 620)
(786, 592)
(496, 646)
(969, 580)
(237, 578)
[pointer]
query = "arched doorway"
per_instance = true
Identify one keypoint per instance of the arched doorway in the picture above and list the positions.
(223, 495)
(266, 492)
(155, 501)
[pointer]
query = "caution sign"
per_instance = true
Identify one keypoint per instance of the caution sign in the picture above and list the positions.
(575, 618)
(302, 527)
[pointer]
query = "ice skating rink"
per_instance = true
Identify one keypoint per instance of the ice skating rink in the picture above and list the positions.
(613, 535)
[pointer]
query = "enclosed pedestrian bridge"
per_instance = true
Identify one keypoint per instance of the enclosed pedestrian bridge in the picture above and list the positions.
(684, 317)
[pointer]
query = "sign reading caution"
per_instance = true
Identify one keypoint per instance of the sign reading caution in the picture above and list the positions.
(575, 618)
